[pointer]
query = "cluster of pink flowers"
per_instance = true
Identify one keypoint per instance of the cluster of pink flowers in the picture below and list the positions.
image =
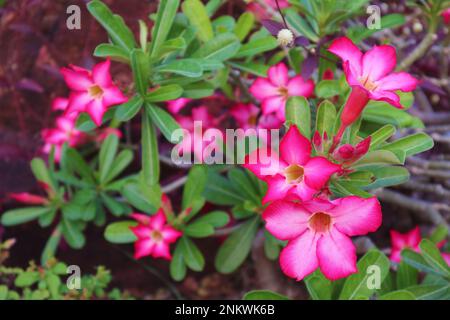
(92, 92)
(317, 229)
(154, 234)
(410, 240)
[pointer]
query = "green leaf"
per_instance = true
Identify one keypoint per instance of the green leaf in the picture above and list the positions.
(141, 70)
(398, 295)
(53, 283)
(406, 275)
(244, 185)
(198, 90)
(150, 155)
(257, 46)
(76, 161)
(165, 123)
(119, 164)
(381, 135)
(326, 116)
(119, 33)
(196, 12)
(388, 176)
(328, 88)
(116, 207)
(40, 171)
(120, 232)
(359, 178)
(165, 16)
(145, 200)
(357, 285)
(433, 257)
(220, 48)
(185, 67)
(220, 191)
(72, 234)
(430, 292)
(199, 230)
(264, 295)
(51, 246)
(417, 261)
(391, 21)
(107, 154)
(236, 247)
(217, 219)
(104, 50)
(177, 265)
(412, 144)
(22, 215)
(244, 25)
(271, 246)
(439, 234)
(26, 279)
(319, 287)
(129, 109)
(164, 93)
(298, 113)
(192, 255)
(300, 25)
(377, 158)
(254, 68)
(194, 187)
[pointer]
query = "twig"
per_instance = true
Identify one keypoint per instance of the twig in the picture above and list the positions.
(174, 185)
(420, 50)
(435, 189)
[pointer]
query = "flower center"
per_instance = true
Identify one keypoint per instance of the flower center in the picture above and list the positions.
(294, 173)
(95, 91)
(283, 92)
(156, 236)
(320, 222)
(368, 84)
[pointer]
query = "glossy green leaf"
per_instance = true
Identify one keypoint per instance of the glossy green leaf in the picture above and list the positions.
(326, 116)
(107, 154)
(22, 215)
(244, 25)
(433, 257)
(150, 154)
(165, 16)
(192, 255)
(388, 176)
(177, 265)
(120, 232)
(196, 12)
(105, 50)
(164, 93)
(165, 123)
(129, 109)
(257, 46)
(194, 187)
(185, 67)
(264, 295)
(298, 112)
(381, 135)
(220, 48)
(412, 144)
(141, 70)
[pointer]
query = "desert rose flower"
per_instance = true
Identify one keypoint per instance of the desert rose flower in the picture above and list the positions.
(293, 171)
(92, 92)
(274, 91)
(318, 233)
(409, 240)
(154, 235)
(60, 104)
(446, 16)
(176, 105)
(370, 77)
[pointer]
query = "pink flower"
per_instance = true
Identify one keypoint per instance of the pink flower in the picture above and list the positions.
(28, 198)
(104, 133)
(176, 105)
(154, 235)
(60, 104)
(277, 88)
(318, 233)
(65, 131)
(246, 115)
(400, 241)
(371, 78)
(92, 92)
(294, 171)
(446, 16)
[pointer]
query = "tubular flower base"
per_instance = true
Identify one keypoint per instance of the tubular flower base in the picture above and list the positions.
(318, 233)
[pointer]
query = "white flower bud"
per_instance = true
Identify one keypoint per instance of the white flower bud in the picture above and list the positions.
(285, 37)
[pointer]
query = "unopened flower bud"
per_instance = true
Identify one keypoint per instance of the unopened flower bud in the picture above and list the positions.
(285, 37)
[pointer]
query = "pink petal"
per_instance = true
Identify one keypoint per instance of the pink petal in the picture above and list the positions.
(278, 75)
(299, 257)
(141, 231)
(170, 234)
(299, 87)
(76, 80)
(294, 147)
(101, 74)
(143, 248)
(141, 218)
(277, 189)
(263, 88)
(398, 81)
(318, 171)
(387, 96)
(303, 191)
(78, 102)
(96, 109)
(158, 220)
(378, 62)
(161, 250)
(286, 220)
(355, 216)
(112, 96)
(60, 104)
(269, 121)
(345, 49)
(337, 255)
(273, 104)
(396, 255)
(175, 106)
(264, 163)
(446, 257)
